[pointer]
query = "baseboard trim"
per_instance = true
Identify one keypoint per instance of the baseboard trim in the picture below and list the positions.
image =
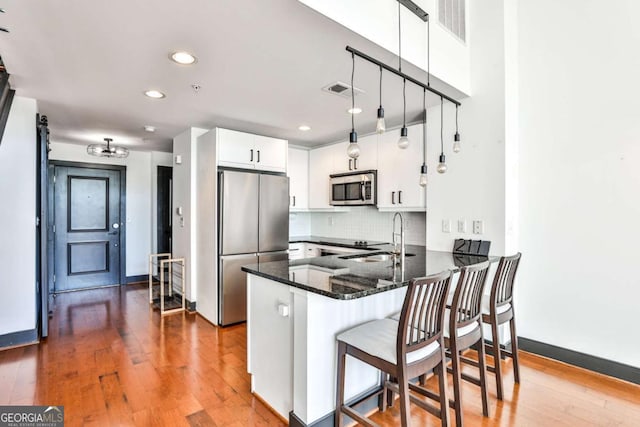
(362, 403)
(20, 338)
(586, 361)
(137, 279)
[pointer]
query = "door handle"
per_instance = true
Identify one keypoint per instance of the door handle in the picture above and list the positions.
(294, 200)
(400, 197)
(362, 191)
(355, 164)
(350, 164)
(393, 197)
(258, 156)
(251, 155)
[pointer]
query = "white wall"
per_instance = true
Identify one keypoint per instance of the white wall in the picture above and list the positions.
(184, 185)
(140, 199)
(17, 218)
(377, 20)
(300, 223)
(367, 223)
(579, 176)
(473, 188)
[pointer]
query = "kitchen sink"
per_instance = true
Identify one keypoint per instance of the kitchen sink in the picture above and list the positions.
(373, 257)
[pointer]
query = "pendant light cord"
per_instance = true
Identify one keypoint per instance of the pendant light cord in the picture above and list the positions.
(380, 86)
(428, 51)
(424, 125)
(441, 125)
(399, 41)
(404, 100)
(353, 102)
(456, 119)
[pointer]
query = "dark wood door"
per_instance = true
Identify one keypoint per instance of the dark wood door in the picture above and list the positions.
(87, 227)
(165, 174)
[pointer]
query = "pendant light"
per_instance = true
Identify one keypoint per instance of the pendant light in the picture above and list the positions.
(107, 150)
(423, 168)
(380, 125)
(403, 142)
(353, 150)
(456, 137)
(442, 166)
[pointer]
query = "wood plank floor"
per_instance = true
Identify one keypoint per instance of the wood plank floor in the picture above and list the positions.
(111, 360)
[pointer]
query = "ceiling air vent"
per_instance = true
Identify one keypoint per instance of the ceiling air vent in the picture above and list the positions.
(452, 15)
(342, 89)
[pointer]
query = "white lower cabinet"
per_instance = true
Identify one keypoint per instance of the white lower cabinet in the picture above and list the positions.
(399, 172)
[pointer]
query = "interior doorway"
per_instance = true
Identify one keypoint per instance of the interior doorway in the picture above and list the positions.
(88, 225)
(165, 203)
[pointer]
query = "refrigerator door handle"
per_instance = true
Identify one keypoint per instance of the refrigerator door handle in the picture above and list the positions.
(251, 160)
(220, 209)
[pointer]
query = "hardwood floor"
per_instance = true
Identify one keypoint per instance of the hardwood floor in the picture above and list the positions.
(111, 360)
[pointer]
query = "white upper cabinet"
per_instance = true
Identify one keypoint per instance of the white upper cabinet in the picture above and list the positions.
(298, 173)
(248, 151)
(271, 153)
(367, 160)
(320, 167)
(399, 172)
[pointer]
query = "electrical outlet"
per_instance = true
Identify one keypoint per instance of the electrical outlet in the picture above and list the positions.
(462, 226)
(446, 226)
(478, 227)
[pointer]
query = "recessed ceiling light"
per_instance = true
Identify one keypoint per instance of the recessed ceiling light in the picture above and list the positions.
(184, 58)
(304, 128)
(149, 128)
(154, 94)
(356, 110)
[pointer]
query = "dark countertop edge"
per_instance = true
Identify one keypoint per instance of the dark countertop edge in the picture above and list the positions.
(328, 242)
(344, 297)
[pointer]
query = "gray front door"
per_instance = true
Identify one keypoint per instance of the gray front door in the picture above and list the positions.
(87, 227)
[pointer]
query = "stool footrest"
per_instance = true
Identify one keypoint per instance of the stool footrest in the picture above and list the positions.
(421, 403)
(357, 416)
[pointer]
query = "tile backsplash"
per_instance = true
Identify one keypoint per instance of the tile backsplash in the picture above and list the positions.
(360, 223)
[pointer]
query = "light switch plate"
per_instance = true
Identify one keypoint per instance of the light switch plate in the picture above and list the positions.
(462, 226)
(446, 226)
(478, 227)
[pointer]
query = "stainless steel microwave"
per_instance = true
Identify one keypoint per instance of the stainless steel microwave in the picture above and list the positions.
(354, 188)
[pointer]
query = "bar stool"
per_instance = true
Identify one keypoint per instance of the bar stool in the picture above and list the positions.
(498, 310)
(465, 331)
(403, 349)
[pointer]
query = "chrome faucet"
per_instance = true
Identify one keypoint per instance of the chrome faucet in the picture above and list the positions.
(395, 243)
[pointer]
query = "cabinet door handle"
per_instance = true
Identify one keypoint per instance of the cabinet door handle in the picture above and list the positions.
(350, 164)
(251, 155)
(393, 197)
(258, 156)
(294, 200)
(355, 164)
(400, 197)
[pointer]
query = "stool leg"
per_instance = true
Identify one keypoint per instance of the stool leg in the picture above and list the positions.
(514, 350)
(482, 362)
(441, 371)
(496, 356)
(390, 394)
(382, 406)
(457, 393)
(342, 355)
(403, 385)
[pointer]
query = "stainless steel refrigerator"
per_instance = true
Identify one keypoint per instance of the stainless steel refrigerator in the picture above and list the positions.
(253, 215)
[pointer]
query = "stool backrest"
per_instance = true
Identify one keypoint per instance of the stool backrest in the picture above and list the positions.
(422, 315)
(502, 287)
(467, 299)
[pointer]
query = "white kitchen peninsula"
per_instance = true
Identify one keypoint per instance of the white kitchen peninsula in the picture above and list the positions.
(296, 309)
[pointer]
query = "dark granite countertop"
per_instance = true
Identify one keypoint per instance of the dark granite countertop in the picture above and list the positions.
(334, 241)
(341, 277)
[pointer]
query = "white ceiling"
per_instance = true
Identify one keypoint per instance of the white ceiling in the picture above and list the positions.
(261, 65)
